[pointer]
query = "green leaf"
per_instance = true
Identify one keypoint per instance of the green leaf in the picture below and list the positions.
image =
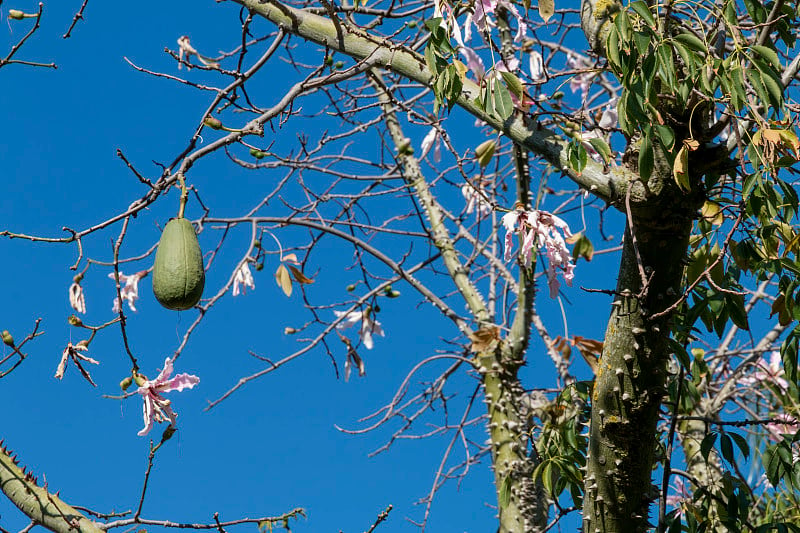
(707, 444)
(601, 147)
(726, 447)
(642, 41)
(741, 442)
(665, 135)
(692, 41)
(430, 59)
(612, 48)
(503, 105)
(513, 84)
(769, 54)
(577, 156)
(735, 305)
(643, 11)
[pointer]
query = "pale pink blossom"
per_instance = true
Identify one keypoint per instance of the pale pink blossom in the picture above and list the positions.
(768, 372)
(76, 298)
(507, 65)
(678, 495)
(543, 230)
(586, 138)
(185, 48)
(433, 139)
(73, 351)
(130, 290)
(156, 408)
(609, 118)
(476, 200)
(536, 65)
(783, 424)
(474, 62)
(482, 18)
(369, 325)
(581, 81)
(242, 279)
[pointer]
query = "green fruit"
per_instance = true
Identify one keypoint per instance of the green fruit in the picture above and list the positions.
(178, 274)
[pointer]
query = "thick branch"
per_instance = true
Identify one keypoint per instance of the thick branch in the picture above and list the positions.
(42, 507)
(609, 186)
(412, 174)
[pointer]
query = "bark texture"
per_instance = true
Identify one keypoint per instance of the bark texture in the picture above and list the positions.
(631, 376)
(42, 507)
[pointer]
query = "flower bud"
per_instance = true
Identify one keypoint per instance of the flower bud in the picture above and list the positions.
(83, 344)
(258, 154)
(259, 267)
(288, 330)
(213, 123)
(338, 64)
(16, 14)
(351, 287)
(125, 383)
(75, 321)
(256, 244)
(411, 24)
(168, 433)
(139, 379)
(78, 278)
(8, 340)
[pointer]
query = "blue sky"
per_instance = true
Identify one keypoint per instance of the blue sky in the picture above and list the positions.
(273, 445)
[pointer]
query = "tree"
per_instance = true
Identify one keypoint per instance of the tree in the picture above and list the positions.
(679, 126)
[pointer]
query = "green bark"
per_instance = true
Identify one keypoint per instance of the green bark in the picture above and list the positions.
(42, 507)
(631, 375)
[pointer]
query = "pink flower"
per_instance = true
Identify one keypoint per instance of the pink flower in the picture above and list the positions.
(74, 352)
(369, 325)
(130, 292)
(483, 20)
(536, 65)
(581, 81)
(543, 230)
(432, 139)
(76, 299)
(476, 199)
(609, 118)
(769, 372)
(483, 10)
(185, 47)
(156, 408)
(783, 424)
(242, 279)
(676, 499)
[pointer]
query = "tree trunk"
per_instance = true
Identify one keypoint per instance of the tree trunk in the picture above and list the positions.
(631, 374)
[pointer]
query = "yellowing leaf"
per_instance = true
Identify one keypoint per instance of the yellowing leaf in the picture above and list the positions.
(299, 276)
(712, 212)
(681, 169)
(485, 338)
(290, 258)
(691, 144)
(485, 151)
(546, 9)
(461, 68)
(283, 280)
